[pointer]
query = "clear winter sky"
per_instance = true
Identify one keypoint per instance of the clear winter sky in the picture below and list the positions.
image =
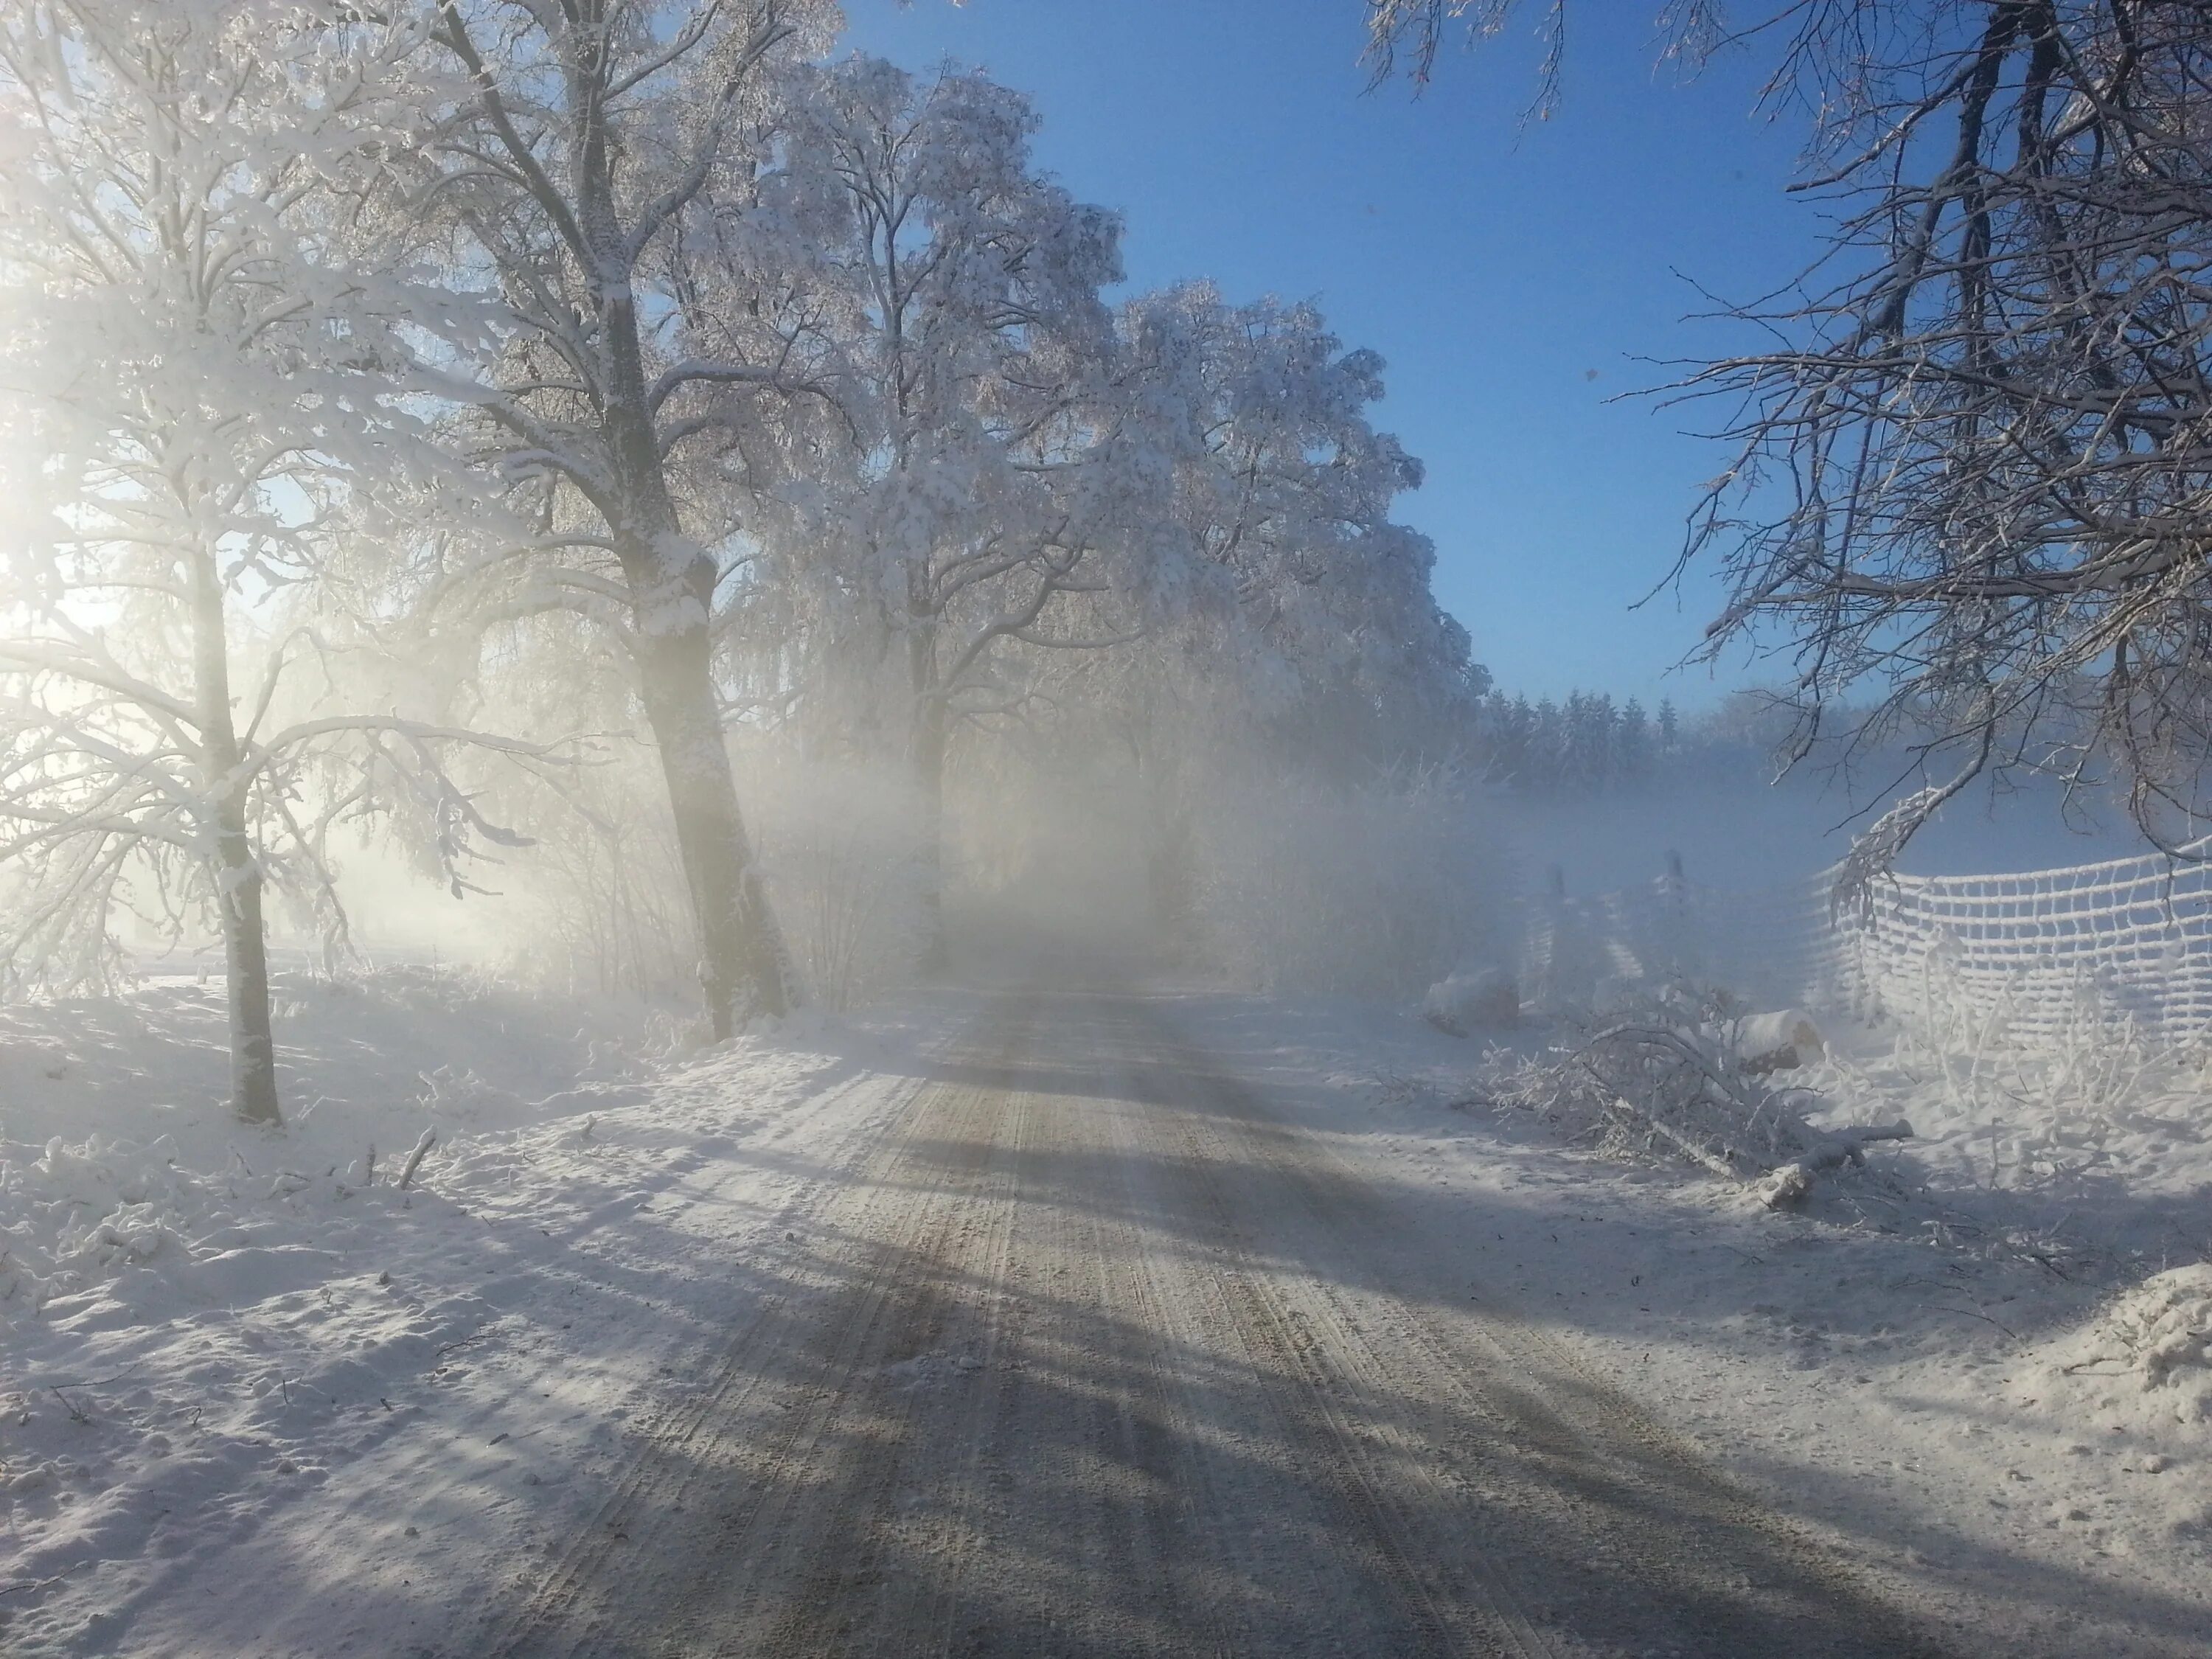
(1512, 275)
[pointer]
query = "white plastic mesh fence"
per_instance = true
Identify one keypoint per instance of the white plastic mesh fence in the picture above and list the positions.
(2034, 957)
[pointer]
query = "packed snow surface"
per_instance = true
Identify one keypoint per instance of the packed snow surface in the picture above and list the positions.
(233, 1356)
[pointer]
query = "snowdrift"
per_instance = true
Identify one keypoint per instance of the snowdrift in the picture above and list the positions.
(2158, 1333)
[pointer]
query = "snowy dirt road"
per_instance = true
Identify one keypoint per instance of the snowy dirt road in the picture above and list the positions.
(1097, 1354)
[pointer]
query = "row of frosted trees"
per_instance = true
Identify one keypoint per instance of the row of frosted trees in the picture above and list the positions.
(1584, 742)
(407, 406)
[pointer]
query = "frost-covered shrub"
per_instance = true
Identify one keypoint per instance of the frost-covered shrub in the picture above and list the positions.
(597, 904)
(1305, 886)
(2040, 1109)
(843, 850)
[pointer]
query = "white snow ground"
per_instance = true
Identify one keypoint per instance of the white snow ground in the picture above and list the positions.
(266, 1409)
(1960, 1389)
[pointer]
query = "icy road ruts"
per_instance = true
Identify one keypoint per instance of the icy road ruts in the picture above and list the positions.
(1098, 1356)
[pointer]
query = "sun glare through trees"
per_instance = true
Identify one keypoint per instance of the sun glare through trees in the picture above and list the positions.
(754, 898)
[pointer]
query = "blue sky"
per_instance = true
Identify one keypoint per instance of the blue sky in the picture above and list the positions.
(1512, 274)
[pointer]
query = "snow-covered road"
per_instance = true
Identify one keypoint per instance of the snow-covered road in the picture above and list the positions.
(1098, 1355)
(1036, 1321)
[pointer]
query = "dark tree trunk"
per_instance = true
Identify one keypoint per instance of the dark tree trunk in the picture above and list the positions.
(742, 966)
(744, 969)
(236, 876)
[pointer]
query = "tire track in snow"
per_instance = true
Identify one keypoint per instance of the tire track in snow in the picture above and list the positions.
(580, 1606)
(1219, 1402)
(1715, 1571)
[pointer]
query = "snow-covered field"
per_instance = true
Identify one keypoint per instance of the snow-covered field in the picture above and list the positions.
(256, 1402)
(1743, 832)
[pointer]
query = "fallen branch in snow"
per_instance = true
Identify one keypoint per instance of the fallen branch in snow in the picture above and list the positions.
(1786, 1188)
(415, 1159)
(438, 1370)
(1680, 1086)
(40, 1583)
(1791, 1183)
(284, 1383)
(1671, 1077)
(1848, 1145)
(68, 1404)
(1675, 1137)
(93, 1382)
(2080, 1365)
(1938, 1307)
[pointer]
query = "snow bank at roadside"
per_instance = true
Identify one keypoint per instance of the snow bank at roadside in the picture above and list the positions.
(2157, 1336)
(1946, 1380)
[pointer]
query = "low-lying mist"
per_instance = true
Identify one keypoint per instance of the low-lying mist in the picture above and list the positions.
(1263, 879)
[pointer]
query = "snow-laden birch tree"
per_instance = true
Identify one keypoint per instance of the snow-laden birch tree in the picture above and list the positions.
(595, 145)
(195, 360)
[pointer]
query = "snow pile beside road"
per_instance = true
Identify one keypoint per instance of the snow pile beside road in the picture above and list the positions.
(82, 1214)
(1461, 1004)
(2160, 1332)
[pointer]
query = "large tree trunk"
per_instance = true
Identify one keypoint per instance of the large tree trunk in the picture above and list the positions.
(742, 969)
(237, 877)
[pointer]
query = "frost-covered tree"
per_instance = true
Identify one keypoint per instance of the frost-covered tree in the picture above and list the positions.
(195, 373)
(1586, 745)
(1002, 493)
(1972, 468)
(1320, 607)
(1631, 744)
(1976, 473)
(1303, 619)
(582, 174)
(1302, 634)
